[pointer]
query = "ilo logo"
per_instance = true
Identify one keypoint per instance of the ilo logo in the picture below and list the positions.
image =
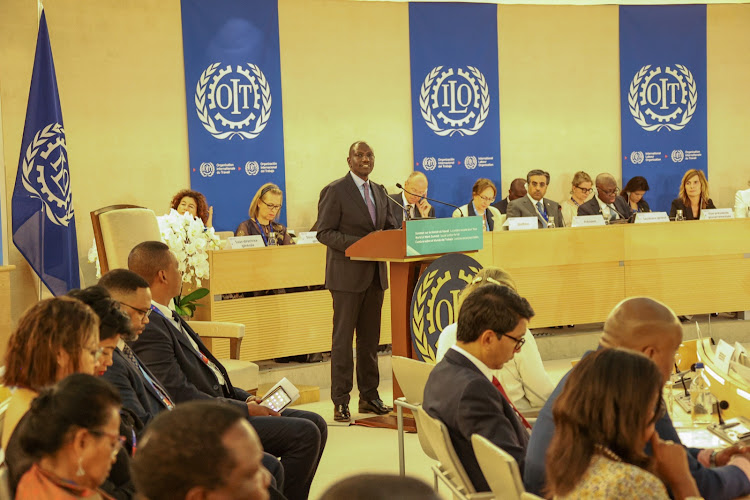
(454, 101)
(429, 163)
(470, 162)
(678, 155)
(207, 169)
(663, 99)
(636, 157)
(252, 168)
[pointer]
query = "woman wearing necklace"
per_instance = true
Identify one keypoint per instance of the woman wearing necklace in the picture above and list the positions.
(264, 208)
(580, 191)
(604, 417)
(693, 196)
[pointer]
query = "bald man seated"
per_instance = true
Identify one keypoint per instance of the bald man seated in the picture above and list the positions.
(606, 202)
(648, 326)
(412, 197)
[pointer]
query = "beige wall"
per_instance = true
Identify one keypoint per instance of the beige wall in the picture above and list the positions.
(345, 76)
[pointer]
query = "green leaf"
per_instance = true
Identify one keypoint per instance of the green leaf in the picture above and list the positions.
(196, 294)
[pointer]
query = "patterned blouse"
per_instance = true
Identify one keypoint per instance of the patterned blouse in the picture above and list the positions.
(606, 478)
(38, 484)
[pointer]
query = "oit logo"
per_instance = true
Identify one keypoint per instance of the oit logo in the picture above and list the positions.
(470, 162)
(435, 301)
(454, 101)
(235, 102)
(207, 169)
(667, 98)
(252, 168)
(636, 157)
(678, 155)
(45, 173)
(429, 163)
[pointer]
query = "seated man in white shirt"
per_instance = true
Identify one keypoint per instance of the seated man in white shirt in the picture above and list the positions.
(461, 390)
(742, 204)
(606, 202)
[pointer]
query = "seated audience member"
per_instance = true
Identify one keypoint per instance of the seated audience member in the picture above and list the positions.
(263, 210)
(742, 204)
(524, 379)
(72, 433)
(650, 327)
(605, 201)
(483, 195)
(176, 356)
(581, 189)
(604, 417)
(412, 197)
(380, 487)
(517, 190)
(194, 203)
(534, 204)
(633, 194)
(54, 338)
(461, 390)
(202, 449)
(693, 196)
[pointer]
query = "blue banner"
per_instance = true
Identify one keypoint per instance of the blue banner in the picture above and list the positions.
(233, 91)
(44, 224)
(663, 96)
(455, 104)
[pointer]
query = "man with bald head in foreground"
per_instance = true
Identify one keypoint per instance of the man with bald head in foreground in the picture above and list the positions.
(650, 327)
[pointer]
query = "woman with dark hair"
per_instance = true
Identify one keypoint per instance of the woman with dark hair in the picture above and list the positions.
(195, 203)
(54, 338)
(263, 210)
(72, 435)
(482, 197)
(604, 417)
(633, 193)
(693, 196)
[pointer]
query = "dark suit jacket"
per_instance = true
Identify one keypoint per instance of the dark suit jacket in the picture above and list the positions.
(137, 394)
(248, 228)
(458, 394)
(174, 362)
(342, 220)
(642, 205)
(591, 207)
(677, 204)
(398, 212)
(502, 205)
(522, 207)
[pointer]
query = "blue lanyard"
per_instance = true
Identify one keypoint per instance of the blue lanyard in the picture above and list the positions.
(262, 233)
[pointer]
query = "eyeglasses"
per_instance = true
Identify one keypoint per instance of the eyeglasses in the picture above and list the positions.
(611, 191)
(585, 190)
(145, 313)
(488, 200)
(519, 342)
(117, 440)
(272, 207)
(96, 353)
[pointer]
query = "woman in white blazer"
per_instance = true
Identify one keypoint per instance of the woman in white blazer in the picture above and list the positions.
(483, 196)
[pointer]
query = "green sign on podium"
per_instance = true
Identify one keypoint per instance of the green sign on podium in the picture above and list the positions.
(435, 236)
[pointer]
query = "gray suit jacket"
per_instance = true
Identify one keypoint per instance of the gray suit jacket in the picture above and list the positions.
(522, 207)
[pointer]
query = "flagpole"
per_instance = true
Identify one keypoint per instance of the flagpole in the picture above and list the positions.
(39, 10)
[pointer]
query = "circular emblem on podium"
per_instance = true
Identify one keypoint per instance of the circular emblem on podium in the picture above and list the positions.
(435, 300)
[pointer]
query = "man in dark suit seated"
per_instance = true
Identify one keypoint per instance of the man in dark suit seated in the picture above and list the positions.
(412, 198)
(534, 204)
(648, 326)
(517, 190)
(461, 390)
(178, 358)
(606, 202)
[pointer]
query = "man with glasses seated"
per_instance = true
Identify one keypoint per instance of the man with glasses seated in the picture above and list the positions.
(534, 204)
(413, 199)
(606, 202)
(461, 390)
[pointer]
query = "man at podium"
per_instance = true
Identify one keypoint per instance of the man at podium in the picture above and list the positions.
(349, 209)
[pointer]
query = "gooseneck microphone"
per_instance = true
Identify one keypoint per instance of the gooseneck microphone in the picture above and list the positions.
(430, 199)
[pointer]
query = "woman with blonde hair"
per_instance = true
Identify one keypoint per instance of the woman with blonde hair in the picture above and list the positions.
(693, 196)
(263, 210)
(524, 379)
(581, 190)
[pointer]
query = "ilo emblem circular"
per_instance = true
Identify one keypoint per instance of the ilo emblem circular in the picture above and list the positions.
(662, 99)
(454, 100)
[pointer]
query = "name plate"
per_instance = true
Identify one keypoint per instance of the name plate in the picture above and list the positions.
(307, 237)
(587, 221)
(724, 353)
(433, 236)
(649, 217)
(522, 223)
(236, 242)
(717, 213)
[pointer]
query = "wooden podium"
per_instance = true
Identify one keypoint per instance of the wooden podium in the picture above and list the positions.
(391, 246)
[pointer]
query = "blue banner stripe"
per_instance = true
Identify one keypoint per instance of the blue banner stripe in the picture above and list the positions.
(663, 96)
(233, 92)
(455, 102)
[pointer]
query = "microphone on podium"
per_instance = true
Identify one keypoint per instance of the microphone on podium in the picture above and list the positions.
(398, 185)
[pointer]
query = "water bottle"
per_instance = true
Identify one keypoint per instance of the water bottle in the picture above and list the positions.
(551, 222)
(669, 396)
(272, 239)
(679, 215)
(701, 399)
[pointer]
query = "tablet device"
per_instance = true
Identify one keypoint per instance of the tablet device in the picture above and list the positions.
(277, 399)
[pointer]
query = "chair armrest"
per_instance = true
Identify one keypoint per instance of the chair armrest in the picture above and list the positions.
(532, 412)
(210, 330)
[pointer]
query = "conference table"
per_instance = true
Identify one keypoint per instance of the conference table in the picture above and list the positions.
(569, 275)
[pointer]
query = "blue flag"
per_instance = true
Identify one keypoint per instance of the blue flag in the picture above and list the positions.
(44, 226)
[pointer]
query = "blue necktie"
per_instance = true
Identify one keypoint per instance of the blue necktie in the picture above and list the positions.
(540, 207)
(369, 203)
